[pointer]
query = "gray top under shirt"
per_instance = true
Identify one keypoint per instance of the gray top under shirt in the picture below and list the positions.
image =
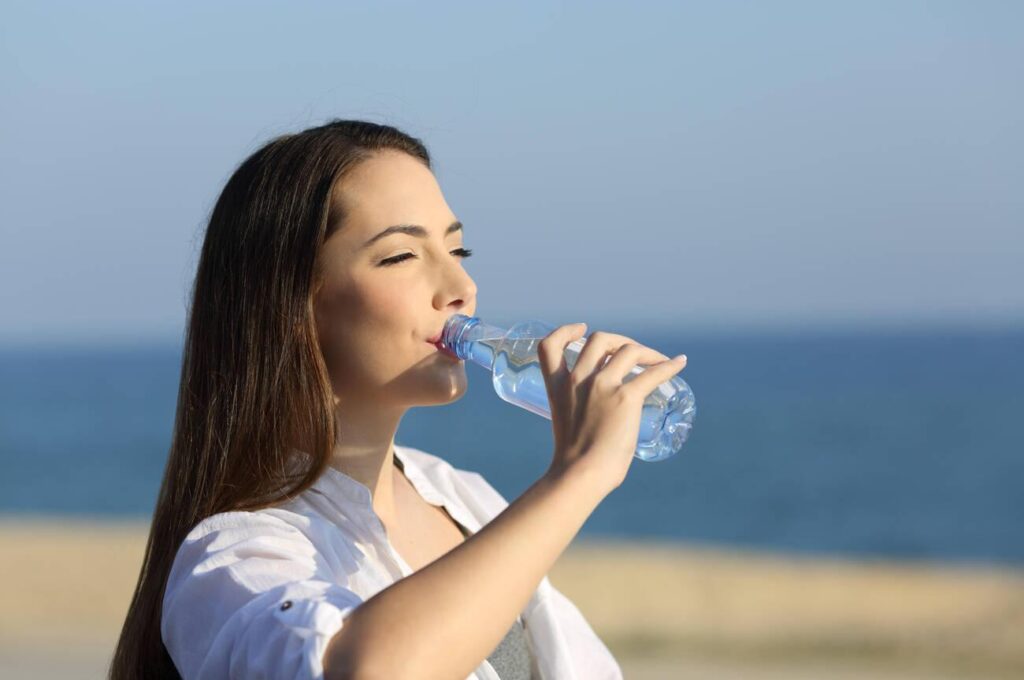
(511, 658)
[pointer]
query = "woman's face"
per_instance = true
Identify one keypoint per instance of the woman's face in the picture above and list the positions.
(374, 318)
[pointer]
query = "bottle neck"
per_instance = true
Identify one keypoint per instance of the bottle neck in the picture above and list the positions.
(476, 341)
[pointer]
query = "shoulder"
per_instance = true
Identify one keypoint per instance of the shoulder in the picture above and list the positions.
(240, 524)
(253, 545)
(275, 530)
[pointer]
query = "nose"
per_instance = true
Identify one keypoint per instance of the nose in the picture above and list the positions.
(457, 292)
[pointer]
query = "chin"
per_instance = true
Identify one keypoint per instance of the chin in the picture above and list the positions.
(435, 379)
(446, 387)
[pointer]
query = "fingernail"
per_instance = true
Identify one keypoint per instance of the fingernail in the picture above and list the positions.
(681, 357)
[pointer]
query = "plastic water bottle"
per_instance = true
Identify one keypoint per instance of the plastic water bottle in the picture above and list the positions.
(511, 356)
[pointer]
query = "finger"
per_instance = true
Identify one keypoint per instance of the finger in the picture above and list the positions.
(596, 351)
(551, 350)
(627, 358)
(646, 382)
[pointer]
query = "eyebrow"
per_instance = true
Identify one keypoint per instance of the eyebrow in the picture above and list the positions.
(411, 230)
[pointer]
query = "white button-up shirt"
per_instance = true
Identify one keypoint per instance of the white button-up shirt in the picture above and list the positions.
(260, 594)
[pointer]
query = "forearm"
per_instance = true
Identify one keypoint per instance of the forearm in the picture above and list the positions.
(440, 622)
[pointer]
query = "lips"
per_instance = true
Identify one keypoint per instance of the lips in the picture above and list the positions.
(439, 345)
(435, 339)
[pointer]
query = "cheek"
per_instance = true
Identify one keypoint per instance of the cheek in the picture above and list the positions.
(367, 330)
(388, 304)
(387, 321)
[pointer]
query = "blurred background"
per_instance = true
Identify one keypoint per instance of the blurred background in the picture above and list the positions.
(819, 203)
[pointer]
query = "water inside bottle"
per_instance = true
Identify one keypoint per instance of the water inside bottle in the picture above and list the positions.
(518, 379)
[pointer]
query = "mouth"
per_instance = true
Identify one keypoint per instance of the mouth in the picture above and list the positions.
(438, 345)
(435, 339)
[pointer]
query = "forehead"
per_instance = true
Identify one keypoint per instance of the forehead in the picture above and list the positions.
(390, 187)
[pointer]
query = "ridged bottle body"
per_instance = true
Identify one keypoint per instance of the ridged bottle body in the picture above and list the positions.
(511, 356)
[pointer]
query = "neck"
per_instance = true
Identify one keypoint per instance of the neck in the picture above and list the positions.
(364, 450)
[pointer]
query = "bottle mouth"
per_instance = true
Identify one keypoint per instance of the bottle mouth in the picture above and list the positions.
(451, 335)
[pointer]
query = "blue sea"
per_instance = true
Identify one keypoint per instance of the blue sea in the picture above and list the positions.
(903, 444)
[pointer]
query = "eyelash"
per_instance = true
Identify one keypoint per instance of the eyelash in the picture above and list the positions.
(397, 259)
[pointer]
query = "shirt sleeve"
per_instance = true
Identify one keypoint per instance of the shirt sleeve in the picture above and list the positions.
(249, 596)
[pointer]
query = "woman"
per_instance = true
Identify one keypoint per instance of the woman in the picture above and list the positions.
(292, 536)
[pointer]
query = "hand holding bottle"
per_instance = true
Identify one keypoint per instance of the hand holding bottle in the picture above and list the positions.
(595, 417)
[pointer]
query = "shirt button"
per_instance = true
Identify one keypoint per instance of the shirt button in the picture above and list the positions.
(286, 605)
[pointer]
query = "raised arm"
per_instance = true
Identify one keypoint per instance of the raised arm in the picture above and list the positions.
(440, 622)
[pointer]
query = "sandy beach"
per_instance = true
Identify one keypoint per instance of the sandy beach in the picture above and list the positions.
(665, 611)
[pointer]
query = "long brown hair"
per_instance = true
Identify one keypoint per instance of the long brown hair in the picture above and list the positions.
(253, 379)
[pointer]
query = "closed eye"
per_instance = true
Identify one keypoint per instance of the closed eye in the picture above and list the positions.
(461, 252)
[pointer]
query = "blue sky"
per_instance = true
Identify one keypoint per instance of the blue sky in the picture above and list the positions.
(719, 164)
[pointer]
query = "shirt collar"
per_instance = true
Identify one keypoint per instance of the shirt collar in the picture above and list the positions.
(334, 483)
